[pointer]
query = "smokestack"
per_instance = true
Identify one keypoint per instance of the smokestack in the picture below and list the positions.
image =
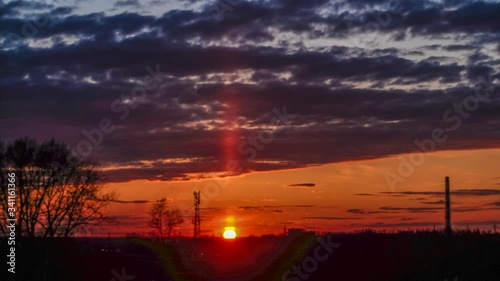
(447, 229)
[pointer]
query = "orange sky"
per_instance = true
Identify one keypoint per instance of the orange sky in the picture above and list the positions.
(346, 197)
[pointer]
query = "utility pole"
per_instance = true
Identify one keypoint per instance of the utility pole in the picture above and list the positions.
(447, 229)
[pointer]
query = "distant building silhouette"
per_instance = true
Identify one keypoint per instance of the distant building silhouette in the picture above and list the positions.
(447, 228)
(298, 231)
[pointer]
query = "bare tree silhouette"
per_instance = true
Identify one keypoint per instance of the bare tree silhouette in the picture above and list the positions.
(57, 193)
(163, 221)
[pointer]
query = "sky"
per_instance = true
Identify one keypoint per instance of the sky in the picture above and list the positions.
(325, 115)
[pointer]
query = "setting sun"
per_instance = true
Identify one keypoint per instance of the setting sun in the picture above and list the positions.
(229, 233)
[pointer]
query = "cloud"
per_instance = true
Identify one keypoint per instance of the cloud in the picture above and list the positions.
(451, 48)
(127, 3)
(251, 207)
(411, 209)
(423, 224)
(458, 192)
(225, 78)
(355, 211)
(273, 208)
(469, 209)
(61, 11)
(432, 209)
(494, 204)
(476, 192)
(390, 194)
(131, 201)
(363, 212)
(439, 202)
(302, 185)
(292, 206)
(330, 218)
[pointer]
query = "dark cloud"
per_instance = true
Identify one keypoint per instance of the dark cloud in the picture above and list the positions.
(458, 192)
(130, 201)
(452, 48)
(251, 207)
(423, 224)
(475, 71)
(14, 7)
(380, 68)
(80, 106)
(364, 212)
(433, 209)
(302, 185)
(399, 225)
(292, 206)
(411, 209)
(273, 208)
(330, 218)
(476, 192)
(390, 194)
(439, 202)
(61, 11)
(469, 209)
(478, 57)
(127, 3)
(390, 209)
(351, 102)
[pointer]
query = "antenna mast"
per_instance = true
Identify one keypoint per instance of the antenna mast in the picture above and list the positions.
(196, 214)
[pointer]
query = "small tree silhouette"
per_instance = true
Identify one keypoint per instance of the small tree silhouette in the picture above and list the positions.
(163, 221)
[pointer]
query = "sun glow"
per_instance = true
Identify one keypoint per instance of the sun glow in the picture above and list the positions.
(229, 233)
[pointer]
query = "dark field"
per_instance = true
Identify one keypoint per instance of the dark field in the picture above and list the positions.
(423, 256)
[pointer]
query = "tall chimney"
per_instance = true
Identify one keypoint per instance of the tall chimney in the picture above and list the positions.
(447, 229)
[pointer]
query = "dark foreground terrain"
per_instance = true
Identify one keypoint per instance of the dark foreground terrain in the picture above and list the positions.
(423, 256)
